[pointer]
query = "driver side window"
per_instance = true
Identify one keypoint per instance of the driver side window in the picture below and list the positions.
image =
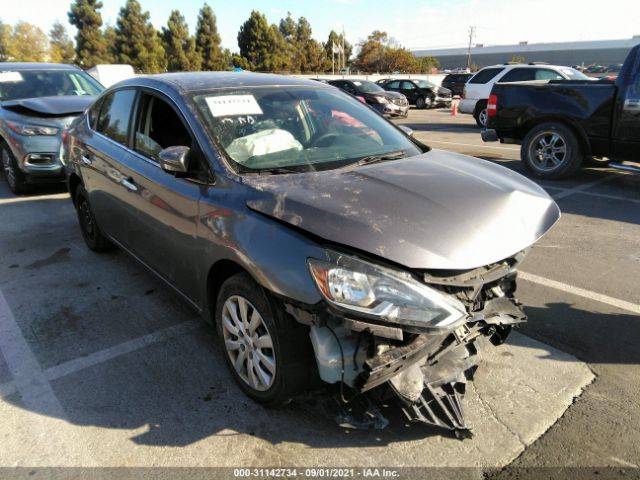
(158, 127)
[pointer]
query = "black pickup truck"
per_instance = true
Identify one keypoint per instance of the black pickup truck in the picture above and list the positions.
(563, 122)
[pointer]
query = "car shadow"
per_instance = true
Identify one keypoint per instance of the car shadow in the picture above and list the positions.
(592, 337)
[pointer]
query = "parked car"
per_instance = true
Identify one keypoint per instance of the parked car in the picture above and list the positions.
(456, 82)
(322, 241)
(387, 103)
(37, 101)
(421, 93)
(476, 91)
(562, 123)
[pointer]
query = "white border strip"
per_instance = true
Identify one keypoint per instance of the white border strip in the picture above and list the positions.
(580, 292)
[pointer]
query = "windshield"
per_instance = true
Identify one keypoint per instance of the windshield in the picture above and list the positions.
(425, 84)
(46, 83)
(367, 87)
(287, 129)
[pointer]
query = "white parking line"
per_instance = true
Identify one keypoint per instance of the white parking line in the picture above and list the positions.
(580, 292)
(474, 145)
(28, 379)
(107, 354)
(584, 186)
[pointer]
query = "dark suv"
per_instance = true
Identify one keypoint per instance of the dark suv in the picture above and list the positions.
(456, 82)
(421, 93)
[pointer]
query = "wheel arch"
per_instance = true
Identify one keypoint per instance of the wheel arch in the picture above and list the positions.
(73, 182)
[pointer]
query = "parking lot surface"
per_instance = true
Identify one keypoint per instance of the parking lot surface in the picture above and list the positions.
(103, 362)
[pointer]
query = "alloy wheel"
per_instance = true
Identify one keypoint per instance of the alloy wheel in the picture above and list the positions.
(248, 343)
(548, 151)
(483, 117)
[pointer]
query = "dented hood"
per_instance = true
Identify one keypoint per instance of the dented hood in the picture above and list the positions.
(51, 106)
(438, 210)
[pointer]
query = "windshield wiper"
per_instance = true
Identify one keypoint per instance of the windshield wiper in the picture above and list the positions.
(382, 157)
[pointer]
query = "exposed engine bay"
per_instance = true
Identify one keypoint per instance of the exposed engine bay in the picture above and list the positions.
(424, 371)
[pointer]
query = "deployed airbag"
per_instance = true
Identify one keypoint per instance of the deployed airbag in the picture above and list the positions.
(262, 143)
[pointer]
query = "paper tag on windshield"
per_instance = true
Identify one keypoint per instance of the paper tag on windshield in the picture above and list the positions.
(9, 77)
(229, 105)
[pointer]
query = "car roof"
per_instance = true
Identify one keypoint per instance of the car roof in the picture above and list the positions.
(525, 65)
(15, 66)
(199, 81)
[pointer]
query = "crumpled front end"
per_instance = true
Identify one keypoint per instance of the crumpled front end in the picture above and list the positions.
(423, 372)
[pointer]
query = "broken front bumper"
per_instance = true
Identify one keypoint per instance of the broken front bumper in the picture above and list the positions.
(425, 373)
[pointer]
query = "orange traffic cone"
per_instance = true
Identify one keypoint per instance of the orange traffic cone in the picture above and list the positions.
(454, 109)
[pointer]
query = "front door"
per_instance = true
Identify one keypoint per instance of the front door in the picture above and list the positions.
(409, 90)
(164, 235)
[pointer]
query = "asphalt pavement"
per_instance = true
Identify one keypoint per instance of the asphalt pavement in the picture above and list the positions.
(102, 365)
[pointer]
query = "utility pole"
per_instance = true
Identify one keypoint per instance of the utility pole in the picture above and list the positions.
(472, 32)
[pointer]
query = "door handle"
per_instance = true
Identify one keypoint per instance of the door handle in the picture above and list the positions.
(631, 104)
(128, 184)
(86, 160)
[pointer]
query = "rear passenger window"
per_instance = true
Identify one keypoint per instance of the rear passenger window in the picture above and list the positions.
(519, 75)
(485, 75)
(115, 115)
(544, 74)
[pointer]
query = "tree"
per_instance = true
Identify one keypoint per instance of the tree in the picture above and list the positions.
(208, 40)
(60, 45)
(137, 42)
(179, 46)
(110, 40)
(400, 60)
(312, 54)
(289, 31)
(371, 55)
(27, 43)
(5, 39)
(262, 45)
(338, 40)
(428, 63)
(91, 47)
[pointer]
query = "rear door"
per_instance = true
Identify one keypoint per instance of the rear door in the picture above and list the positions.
(166, 204)
(104, 154)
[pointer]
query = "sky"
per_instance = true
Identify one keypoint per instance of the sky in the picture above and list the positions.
(416, 24)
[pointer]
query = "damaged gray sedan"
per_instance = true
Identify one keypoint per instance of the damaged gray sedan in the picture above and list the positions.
(326, 245)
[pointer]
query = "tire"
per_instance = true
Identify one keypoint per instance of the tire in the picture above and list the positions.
(93, 236)
(16, 180)
(280, 368)
(551, 151)
(481, 114)
(421, 103)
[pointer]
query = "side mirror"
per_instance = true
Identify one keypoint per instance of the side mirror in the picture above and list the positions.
(407, 130)
(174, 159)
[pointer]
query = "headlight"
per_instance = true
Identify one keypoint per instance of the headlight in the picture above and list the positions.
(30, 130)
(380, 99)
(389, 295)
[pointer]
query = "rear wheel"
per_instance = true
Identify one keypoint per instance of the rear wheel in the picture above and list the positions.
(266, 350)
(481, 115)
(551, 151)
(15, 178)
(91, 232)
(423, 102)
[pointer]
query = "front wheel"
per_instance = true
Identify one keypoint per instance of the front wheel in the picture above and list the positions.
(266, 350)
(15, 178)
(423, 102)
(551, 151)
